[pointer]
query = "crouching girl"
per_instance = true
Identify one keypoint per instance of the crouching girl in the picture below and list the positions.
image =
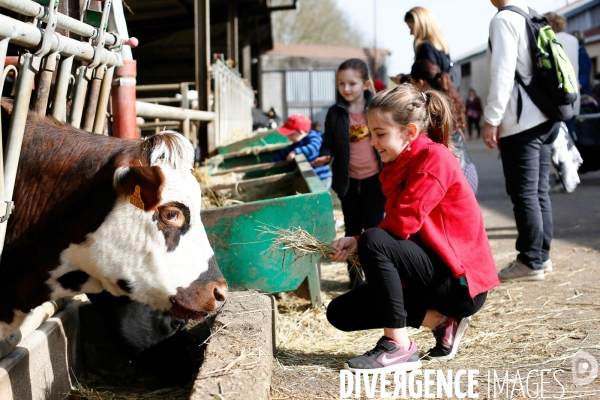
(429, 262)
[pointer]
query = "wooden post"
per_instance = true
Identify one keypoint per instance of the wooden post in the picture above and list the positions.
(202, 58)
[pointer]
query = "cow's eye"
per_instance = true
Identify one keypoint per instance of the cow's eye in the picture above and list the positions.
(172, 216)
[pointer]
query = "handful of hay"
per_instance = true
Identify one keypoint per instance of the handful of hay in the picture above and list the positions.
(299, 242)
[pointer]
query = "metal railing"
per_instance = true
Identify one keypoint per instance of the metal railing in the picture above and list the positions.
(233, 101)
(50, 52)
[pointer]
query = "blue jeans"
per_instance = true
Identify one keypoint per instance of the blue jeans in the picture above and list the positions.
(526, 165)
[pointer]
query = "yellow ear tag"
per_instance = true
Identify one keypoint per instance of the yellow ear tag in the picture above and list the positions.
(136, 199)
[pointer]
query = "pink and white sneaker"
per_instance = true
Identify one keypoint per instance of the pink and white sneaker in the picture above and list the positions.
(447, 338)
(387, 356)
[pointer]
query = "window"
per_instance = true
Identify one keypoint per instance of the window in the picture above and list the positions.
(465, 69)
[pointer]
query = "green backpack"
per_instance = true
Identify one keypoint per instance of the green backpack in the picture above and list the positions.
(553, 87)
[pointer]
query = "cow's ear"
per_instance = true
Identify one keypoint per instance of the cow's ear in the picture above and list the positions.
(141, 183)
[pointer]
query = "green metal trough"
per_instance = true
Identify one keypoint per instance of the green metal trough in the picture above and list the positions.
(281, 194)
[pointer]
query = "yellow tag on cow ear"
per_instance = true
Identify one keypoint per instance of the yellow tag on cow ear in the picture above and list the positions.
(136, 198)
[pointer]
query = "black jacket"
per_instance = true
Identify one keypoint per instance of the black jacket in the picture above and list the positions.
(428, 52)
(336, 143)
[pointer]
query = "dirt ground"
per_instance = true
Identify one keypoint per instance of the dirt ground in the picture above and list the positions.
(522, 327)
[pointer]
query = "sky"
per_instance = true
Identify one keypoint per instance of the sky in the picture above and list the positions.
(464, 23)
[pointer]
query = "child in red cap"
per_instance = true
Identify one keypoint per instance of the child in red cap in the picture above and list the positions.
(304, 141)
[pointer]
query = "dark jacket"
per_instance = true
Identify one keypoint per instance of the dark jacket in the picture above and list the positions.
(428, 52)
(309, 146)
(336, 143)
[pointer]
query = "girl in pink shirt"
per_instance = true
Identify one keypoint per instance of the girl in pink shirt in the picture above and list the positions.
(355, 165)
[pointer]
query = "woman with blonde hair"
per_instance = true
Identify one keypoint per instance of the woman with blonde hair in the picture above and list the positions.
(430, 43)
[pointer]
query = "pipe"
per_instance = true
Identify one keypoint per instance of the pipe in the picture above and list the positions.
(61, 88)
(161, 87)
(29, 65)
(92, 99)
(147, 110)
(123, 101)
(32, 321)
(100, 118)
(28, 35)
(80, 89)
(42, 92)
(31, 9)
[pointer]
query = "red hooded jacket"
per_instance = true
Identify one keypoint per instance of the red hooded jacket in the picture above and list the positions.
(430, 202)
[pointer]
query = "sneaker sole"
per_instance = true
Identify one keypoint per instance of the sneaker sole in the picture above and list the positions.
(537, 277)
(405, 366)
(462, 327)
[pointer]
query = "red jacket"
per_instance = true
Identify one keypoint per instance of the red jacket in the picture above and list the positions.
(430, 201)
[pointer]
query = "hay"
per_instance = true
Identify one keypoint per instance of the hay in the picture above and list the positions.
(299, 242)
(106, 392)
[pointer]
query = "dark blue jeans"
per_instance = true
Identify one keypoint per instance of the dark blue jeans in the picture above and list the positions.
(526, 165)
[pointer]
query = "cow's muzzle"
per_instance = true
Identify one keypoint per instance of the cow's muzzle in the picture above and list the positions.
(205, 295)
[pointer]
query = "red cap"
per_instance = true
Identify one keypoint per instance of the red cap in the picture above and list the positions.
(379, 85)
(296, 122)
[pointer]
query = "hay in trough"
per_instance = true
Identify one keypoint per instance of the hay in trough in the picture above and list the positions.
(300, 243)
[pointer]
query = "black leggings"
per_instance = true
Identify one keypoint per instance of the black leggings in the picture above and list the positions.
(389, 263)
(363, 205)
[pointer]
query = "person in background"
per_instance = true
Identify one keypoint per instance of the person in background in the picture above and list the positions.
(585, 65)
(429, 44)
(379, 85)
(304, 141)
(571, 46)
(474, 112)
(356, 165)
(426, 75)
(429, 262)
(317, 127)
(525, 136)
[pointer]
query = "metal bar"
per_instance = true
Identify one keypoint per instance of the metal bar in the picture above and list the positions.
(92, 99)
(251, 168)
(29, 65)
(147, 110)
(161, 87)
(42, 92)
(31, 9)
(3, 49)
(61, 88)
(103, 98)
(81, 83)
(28, 35)
(159, 124)
(160, 99)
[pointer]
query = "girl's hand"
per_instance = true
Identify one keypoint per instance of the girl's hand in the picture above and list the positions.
(320, 161)
(343, 248)
(291, 155)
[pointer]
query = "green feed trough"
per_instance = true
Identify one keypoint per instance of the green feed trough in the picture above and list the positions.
(281, 194)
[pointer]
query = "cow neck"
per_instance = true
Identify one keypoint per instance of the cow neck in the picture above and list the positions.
(64, 191)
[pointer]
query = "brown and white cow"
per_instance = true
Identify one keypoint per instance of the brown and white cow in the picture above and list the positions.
(78, 227)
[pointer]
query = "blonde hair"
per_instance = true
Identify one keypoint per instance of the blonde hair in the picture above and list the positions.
(404, 104)
(426, 28)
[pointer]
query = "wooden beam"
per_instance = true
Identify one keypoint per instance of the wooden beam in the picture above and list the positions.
(202, 61)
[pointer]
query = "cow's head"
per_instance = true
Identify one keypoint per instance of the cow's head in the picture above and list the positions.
(152, 246)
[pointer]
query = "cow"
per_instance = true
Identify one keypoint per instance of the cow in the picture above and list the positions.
(96, 213)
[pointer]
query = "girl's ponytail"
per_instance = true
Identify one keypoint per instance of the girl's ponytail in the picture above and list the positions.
(440, 119)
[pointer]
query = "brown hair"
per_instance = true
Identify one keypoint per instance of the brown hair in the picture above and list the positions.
(404, 104)
(558, 22)
(359, 66)
(431, 73)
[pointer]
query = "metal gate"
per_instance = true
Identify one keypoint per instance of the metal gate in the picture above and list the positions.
(310, 92)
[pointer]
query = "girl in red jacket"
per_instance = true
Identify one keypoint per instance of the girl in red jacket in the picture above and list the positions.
(429, 262)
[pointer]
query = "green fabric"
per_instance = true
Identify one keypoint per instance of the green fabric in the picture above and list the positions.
(550, 49)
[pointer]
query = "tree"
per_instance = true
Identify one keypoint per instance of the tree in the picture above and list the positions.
(315, 22)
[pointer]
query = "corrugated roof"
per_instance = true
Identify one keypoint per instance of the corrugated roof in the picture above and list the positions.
(320, 51)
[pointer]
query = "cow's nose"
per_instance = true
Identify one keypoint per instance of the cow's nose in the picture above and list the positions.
(220, 294)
